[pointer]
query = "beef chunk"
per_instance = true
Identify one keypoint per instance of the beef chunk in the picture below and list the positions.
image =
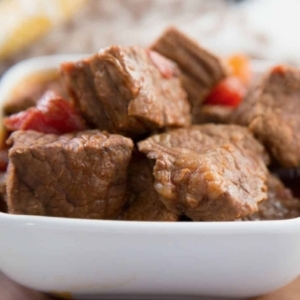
(202, 138)
(271, 110)
(201, 69)
(144, 203)
(281, 204)
(208, 172)
(78, 175)
(128, 90)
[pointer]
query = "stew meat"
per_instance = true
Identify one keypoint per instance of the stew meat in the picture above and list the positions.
(281, 204)
(201, 69)
(128, 90)
(144, 203)
(208, 172)
(271, 111)
(61, 164)
(81, 175)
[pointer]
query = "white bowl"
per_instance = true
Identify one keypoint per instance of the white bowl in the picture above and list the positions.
(87, 259)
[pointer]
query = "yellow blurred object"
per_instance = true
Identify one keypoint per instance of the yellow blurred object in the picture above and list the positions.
(239, 65)
(23, 21)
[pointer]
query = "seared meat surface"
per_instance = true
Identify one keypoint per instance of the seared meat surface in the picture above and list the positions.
(78, 175)
(144, 203)
(280, 205)
(208, 172)
(271, 111)
(201, 69)
(128, 90)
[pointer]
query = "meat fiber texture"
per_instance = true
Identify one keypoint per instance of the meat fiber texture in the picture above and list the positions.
(143, 200)
(77, 175)
(208, 172)
(123, 90)
(271, 111)
(280, 205)
(201, 69)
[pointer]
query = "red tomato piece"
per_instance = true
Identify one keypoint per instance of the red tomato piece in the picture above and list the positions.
(52, 114)
(230, 91)
(14, 122)
(279, 69)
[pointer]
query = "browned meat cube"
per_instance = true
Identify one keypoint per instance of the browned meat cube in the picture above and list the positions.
(78, 175)
(144, 203)
(281, 204)
(208, 172)
(201, 69)
(271, 111)
(128, 90)
(202, 138)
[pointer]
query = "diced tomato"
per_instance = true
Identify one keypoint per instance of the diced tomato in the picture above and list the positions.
(230, 91)
(279, 69)
(15, 121)
(52, 114)
(239, 65)
(165, 66)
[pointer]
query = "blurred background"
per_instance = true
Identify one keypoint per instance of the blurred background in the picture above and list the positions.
(265, 29)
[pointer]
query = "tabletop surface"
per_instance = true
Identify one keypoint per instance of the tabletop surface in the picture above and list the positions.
(12, 291)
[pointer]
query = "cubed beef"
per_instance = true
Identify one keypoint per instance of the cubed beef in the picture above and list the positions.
(79, 175)
(201, 69)
(208, 172)
(281, 204)
(128, 90)
(144, 203)
(271, 110)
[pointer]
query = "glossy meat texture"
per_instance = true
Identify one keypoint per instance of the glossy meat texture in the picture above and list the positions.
(271, 111)
(128, 90)
(77, 175)
(144, 203)
(280, 205)
(201, 69)
(208, 172)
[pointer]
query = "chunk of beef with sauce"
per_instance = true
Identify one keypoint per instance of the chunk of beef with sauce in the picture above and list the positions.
(208, 172)
(281, 204)
(271, 111)
(144, 203)
(30, 89)
(201, 69)
(128, 90)
(78, 175)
